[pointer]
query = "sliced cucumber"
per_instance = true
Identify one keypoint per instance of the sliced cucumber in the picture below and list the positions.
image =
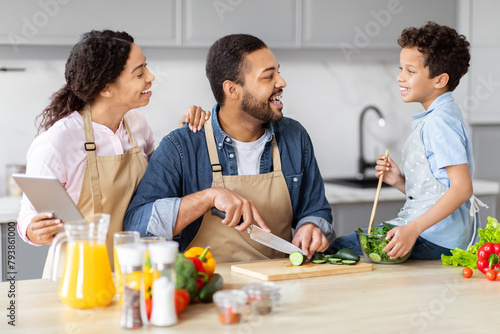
(296, 258)
(319, 261)
(375, 257)
(317, 256)
(334, 260)
(349, 262)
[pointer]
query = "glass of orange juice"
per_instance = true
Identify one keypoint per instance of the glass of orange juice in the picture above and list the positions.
(121, 238)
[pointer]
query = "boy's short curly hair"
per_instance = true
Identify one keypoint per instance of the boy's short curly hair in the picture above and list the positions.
(444, 50)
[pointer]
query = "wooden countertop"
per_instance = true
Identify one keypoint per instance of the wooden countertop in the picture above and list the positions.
(413, 297)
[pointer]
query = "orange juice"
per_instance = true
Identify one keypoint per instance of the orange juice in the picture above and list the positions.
(87, 280)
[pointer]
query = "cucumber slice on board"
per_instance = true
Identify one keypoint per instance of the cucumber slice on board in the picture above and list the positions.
(317, 256)
(349, 262)
(334, 260)
(296, 258)
(319, 261)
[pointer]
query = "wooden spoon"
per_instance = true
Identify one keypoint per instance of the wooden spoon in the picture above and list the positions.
(377, 195)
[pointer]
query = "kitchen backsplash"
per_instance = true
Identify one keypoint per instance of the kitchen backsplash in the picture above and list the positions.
(326, 96)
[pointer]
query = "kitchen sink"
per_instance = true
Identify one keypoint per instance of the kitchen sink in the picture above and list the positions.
(367, 182)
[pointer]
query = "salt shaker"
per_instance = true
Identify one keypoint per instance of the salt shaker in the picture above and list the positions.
(131, 257)
(163, 255)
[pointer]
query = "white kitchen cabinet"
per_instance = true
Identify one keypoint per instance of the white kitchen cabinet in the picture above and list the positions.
(61, 22)
(486, 26)
(483, 99)
(366, 24)
(351, 25)
(273, 21)
(485, 139)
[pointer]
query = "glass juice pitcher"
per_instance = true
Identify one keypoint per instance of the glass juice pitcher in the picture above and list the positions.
(86, 281)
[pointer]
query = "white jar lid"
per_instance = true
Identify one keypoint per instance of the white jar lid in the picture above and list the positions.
(163, 252)
(130, 254)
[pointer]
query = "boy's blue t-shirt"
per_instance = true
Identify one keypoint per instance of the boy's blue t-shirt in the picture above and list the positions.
(445, 137)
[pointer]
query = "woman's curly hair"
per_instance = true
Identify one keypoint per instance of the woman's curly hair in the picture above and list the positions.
(96, 60)
(444, 50)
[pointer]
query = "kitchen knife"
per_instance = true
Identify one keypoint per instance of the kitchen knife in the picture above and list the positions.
(266, 238)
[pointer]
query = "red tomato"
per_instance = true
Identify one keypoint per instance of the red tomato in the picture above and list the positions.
(182, 299)
(467, 272)
(498, 275)
(491, 275)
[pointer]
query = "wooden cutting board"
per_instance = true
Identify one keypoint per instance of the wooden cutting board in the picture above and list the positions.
(281, 269)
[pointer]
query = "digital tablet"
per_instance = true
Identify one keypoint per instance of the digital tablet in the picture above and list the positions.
(47, 194)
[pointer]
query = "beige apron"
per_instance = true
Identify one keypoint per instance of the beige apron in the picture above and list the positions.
(109, 183)
(270, 195)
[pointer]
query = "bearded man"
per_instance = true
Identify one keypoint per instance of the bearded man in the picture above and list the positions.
(248, 161)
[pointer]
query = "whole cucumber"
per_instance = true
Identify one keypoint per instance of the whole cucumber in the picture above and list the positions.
(214, 284)
(347, 254)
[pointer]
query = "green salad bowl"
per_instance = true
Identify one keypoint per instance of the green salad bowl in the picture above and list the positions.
(372, 244)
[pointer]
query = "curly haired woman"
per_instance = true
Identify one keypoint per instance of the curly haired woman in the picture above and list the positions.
(93, 136)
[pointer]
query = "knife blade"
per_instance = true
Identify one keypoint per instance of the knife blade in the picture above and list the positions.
(265, 238)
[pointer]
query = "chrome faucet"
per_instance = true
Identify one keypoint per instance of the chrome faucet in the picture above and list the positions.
(362, 163)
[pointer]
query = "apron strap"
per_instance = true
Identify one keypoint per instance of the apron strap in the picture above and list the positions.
(474, 212)
(214, 158)
(130, 135)
(276, 157)
(218, 181)
(90, 148)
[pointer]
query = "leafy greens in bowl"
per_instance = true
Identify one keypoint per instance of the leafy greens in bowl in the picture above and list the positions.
(372, 244)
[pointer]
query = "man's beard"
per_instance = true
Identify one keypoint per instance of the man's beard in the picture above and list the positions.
(259, 110)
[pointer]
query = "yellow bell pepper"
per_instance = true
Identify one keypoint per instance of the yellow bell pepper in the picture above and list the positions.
(133, 280)
(205, 256)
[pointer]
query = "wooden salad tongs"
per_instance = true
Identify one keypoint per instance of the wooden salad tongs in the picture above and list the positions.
(377, 195)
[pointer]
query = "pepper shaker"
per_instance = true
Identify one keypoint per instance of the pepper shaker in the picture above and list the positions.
(131, 257)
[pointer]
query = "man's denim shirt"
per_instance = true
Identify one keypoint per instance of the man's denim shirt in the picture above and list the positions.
(181, 166)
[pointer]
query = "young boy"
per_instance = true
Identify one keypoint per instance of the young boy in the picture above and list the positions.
(438, 161)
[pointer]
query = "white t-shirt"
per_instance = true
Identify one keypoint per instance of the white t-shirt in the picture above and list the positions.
(60, 152)
(248, 154)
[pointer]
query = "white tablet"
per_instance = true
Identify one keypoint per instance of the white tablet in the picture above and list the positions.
(47, 194)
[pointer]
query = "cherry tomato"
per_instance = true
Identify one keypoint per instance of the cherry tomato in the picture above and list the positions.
(467, 272)
(498, 275)
(491, 275)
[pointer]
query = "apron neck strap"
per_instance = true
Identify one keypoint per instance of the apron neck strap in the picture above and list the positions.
(214, 157)
(90, 148)
(276, 157)
(129, 133)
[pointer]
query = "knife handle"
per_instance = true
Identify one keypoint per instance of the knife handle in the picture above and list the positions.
(221, 214)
